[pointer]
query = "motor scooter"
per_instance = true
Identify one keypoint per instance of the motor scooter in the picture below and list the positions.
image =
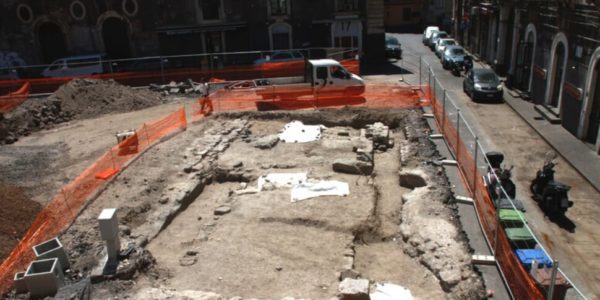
(499, 184)
(549, 194)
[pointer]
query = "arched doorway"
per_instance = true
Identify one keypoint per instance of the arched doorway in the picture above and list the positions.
(280, 36)
(558, 66)
(115, 34)
(594, 116)
(589, 121)
(52, 42)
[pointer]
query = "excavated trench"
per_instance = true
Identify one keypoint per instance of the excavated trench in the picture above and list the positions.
(269, 244)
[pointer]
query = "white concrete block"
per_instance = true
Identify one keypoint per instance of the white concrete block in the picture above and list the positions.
(113, 247)
(436, 136)
(483, 259)
(109, 224)
(43, 278)
(463, 199)
(52, 249)
(19, 283)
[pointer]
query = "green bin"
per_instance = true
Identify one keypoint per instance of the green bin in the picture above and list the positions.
(511, 218)
(520, 238)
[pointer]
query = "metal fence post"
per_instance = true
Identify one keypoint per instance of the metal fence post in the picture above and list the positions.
(420, 83)
(495, 248)
(162, 69)
(552, 280)
(432, 86)
(457, 134)
(474, 188)
(444, 111)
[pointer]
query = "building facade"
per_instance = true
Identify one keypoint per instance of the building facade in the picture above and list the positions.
(549, 50)
(40, 31)
(403, 15)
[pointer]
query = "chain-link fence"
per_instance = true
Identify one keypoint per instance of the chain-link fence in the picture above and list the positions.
(527, 268)
(163, 69)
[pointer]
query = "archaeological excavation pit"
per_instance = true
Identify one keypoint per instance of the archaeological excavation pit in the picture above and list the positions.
(200, 219)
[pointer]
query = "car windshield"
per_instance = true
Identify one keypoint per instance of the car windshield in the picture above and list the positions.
(392, 41)
(447, 43)
(458, 52)
(442, 35)
(486, 77)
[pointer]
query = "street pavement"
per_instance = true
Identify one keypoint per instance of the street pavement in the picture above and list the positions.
(574, 241)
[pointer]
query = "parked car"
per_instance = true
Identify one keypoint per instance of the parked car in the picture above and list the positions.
(435, 37)
(393, 49)
(453, 55)
(482, 84)
(280, 56)
(441, 45)
(76, 66)
(428, 32)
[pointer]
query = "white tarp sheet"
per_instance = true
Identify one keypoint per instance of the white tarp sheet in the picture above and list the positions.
(390, 291)
(279, 180)
(321, 188)
(297, 132)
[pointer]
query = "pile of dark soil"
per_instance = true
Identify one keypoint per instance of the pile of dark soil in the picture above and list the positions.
(77, 99)
(17, 212)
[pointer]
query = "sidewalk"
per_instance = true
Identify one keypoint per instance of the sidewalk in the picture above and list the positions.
(573, 150)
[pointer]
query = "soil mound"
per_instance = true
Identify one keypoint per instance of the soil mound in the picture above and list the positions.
(17, 212)
(88, 98)
(77, 99)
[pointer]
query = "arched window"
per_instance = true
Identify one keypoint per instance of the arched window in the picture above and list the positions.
(280, 36)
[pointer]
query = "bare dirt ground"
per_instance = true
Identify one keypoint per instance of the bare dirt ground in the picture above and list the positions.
(44, 161)
(266, 246)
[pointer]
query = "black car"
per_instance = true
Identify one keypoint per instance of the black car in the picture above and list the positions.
(483, 84)
(393, 49)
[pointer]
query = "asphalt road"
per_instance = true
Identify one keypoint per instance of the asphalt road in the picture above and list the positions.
(574, 242)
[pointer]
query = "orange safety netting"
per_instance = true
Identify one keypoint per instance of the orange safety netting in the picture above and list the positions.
(63, 209)
(14, 99)
(245, 96)
(143, 78)
(518, 279)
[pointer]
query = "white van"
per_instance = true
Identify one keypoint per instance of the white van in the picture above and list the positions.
(76, 66)
(428, 32)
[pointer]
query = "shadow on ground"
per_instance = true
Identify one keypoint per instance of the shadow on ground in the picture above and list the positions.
(384, 68)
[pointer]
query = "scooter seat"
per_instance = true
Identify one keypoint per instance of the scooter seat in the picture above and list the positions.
(559, 186)
(504, 203)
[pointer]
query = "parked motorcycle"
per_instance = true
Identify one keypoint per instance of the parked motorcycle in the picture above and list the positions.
(468, 63)
(455, 68)
(498, 179)
(549, 194)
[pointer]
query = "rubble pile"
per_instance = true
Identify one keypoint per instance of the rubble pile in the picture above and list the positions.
(77, 99)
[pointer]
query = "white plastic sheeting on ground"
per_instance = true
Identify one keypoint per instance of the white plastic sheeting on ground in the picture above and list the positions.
(390, 291)
(297, 132)
(279, 180)
(320, 188)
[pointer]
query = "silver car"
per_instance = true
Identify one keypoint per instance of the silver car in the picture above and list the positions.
(453, 55)
(441, 45)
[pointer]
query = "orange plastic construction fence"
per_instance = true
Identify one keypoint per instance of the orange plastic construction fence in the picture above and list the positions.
(246, 96)
(143, 78)
(14, 99)
(519, 281)
(65, 206)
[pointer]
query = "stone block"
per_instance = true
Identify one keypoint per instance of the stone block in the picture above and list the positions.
(354, 289)
(352, 167)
